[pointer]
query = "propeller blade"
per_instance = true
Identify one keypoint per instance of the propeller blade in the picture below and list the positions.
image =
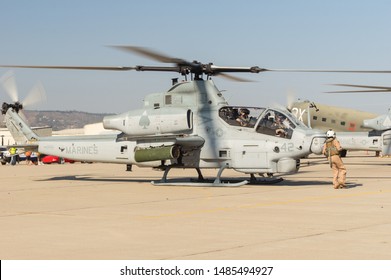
(290, 99)
(35, 96)
(9, 84)
(107, 68)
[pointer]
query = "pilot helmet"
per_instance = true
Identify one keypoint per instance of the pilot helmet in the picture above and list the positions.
(330, 133)
(244, 111)
(271, 116)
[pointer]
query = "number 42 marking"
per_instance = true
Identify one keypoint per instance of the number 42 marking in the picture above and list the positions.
(287, 147)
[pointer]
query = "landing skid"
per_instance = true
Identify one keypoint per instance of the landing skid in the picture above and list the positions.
(206, 183)
(200, 182)
(264, 180)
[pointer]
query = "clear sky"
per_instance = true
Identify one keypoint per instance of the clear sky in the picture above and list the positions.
(333, 34)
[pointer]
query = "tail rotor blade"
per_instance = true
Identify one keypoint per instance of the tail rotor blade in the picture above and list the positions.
(36, 95)
(9, 84)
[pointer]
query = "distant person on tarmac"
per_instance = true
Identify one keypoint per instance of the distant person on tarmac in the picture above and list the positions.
(28, 157)
(13, 155)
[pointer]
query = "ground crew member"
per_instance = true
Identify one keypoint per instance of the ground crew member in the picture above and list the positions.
(331, 150)
(12, 151)
(28, 157)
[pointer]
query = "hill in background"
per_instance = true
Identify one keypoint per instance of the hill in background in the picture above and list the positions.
(60, 120)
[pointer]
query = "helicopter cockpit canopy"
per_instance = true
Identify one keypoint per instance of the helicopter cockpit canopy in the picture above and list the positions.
(241, 116)
(266, 121)
(276, 123)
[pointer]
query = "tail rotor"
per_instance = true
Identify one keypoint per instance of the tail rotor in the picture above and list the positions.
(36, 95)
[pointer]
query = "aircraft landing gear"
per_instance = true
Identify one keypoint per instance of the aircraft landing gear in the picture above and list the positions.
(265, 179)
(200, 182)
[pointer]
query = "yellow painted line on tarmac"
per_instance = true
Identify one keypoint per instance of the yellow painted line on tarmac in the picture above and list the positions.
(265, 204)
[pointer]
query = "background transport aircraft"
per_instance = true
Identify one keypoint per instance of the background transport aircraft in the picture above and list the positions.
(357, 130)
(325, 117)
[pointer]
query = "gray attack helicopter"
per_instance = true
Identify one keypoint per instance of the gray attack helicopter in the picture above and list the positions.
(191, 125)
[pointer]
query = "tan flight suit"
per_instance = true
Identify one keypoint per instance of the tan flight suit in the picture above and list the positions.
(331, 150)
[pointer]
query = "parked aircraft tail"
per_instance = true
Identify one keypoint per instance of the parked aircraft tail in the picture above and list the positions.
(382, 122)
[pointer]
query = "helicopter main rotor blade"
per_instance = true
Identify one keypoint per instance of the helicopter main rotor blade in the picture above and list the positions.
(154, 55)
(328, 71)
(185, 67)
(377, 89)
(234, 69)
(215, 69)
(358, 91)
(109, 68)
(362, 86)
(158, 68)
(233, 78)
(256, 69)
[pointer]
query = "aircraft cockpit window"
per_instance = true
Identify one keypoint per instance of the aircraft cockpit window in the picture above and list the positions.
(241, 116)
(277, 124)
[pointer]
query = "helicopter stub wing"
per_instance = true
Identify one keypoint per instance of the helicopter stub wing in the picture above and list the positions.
(182, 140)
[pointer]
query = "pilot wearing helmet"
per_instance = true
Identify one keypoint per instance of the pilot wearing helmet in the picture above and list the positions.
(243, 118)
(331, 150)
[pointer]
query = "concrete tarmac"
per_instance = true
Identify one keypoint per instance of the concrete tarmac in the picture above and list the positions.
(100, 211)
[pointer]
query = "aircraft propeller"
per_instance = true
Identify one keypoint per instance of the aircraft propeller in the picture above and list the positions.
(290, 99)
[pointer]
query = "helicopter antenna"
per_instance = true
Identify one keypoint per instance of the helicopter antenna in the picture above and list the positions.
(174, 81)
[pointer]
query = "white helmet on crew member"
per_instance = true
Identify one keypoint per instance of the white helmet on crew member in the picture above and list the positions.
(330, 133)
